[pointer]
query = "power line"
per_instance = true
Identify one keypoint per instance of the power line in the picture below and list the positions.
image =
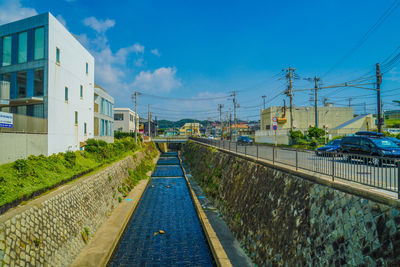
(185, 99)
(364, 38)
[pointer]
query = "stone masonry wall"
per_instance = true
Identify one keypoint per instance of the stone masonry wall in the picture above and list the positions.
(285, 220)
(49, 232)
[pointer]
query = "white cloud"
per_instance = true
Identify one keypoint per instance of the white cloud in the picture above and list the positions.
(99, 26)
(160, 80)
(62, 20)
(155, 52)
(138, 62)
(12, 10)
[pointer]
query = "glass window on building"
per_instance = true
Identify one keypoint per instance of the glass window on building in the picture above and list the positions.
(102, 106)
(66, 93)
(39, 44)
(84, 128)
(21, 84)
(87, 68)
(22, 47)
(6, 50)
(6, 77)
(76, 117)
(118, 117)
(131, 117)
(58, 55)
(81, 91)
(38, 82)
(102, 127)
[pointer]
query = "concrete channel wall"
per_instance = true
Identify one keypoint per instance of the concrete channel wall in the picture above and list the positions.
(285, 219)
(51, 230)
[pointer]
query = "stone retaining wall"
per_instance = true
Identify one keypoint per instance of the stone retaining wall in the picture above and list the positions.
(51, 230)
(283, 219)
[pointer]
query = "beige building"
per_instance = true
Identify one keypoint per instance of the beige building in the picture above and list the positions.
(190, 128)
(304, 117)
(329, 117)
(124, 120)
(365, 122)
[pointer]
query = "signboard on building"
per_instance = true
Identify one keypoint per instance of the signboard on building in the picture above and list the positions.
(6, 120)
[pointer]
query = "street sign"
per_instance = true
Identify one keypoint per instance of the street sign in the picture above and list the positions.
(274, 123)
(6, 120)
(275, 127)
(274, 119)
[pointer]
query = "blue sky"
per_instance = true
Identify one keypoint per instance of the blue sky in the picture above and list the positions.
(206, 49)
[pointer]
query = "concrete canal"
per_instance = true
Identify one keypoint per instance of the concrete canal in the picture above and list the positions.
(165, 229)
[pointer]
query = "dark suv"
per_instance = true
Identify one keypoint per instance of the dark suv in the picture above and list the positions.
(244, 140)
(369, 144)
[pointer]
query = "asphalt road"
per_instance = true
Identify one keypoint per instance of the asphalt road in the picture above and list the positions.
(385, 177)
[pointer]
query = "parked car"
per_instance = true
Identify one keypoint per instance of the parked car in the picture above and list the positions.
(394, 140)
(244, 140)
(332, 146)
(373, 144)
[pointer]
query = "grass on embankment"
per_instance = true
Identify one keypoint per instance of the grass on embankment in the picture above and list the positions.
(23, 178)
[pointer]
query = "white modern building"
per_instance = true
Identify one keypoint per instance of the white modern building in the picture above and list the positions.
(103, 115)
(124, 120)
(51, 79)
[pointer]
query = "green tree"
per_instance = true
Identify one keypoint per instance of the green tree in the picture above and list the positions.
(316, 132)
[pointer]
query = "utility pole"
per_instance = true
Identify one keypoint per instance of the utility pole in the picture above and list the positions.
(220, 106)
(235, 105)
(148, 120)
(378, 95)
(350, 101)
(289, 93)
(136, 120)
(316, 80)
(230, 125)
(264, 99)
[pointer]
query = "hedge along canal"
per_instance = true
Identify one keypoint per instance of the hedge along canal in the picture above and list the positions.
(165, 229)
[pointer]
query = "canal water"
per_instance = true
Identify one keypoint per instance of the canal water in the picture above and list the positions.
(166, 205)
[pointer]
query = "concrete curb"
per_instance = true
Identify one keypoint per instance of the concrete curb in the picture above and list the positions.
(217, 250)
(100, 248)
(338, 184)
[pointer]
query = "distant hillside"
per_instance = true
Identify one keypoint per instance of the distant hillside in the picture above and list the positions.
(164, 124)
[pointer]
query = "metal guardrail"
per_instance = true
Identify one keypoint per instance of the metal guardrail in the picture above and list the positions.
(378, 172)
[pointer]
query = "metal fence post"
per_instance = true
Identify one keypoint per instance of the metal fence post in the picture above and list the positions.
(245, 150)
(236, 147)
(398, 179)
(297, 160)
(333, 167)
(257, 151)
(273, 155)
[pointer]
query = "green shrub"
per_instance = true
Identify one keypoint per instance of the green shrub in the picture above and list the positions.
(296, 134)
(316, 132)
(22, 178)
(70, 159)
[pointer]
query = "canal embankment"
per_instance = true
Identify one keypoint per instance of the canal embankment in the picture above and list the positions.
(280, 218)
(54, 228)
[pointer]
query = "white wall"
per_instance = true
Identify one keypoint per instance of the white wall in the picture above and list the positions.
(126, 125)
(18, 146)
(63, 134)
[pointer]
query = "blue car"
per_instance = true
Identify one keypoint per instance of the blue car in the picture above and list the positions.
(394, 140)
(332, 146)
